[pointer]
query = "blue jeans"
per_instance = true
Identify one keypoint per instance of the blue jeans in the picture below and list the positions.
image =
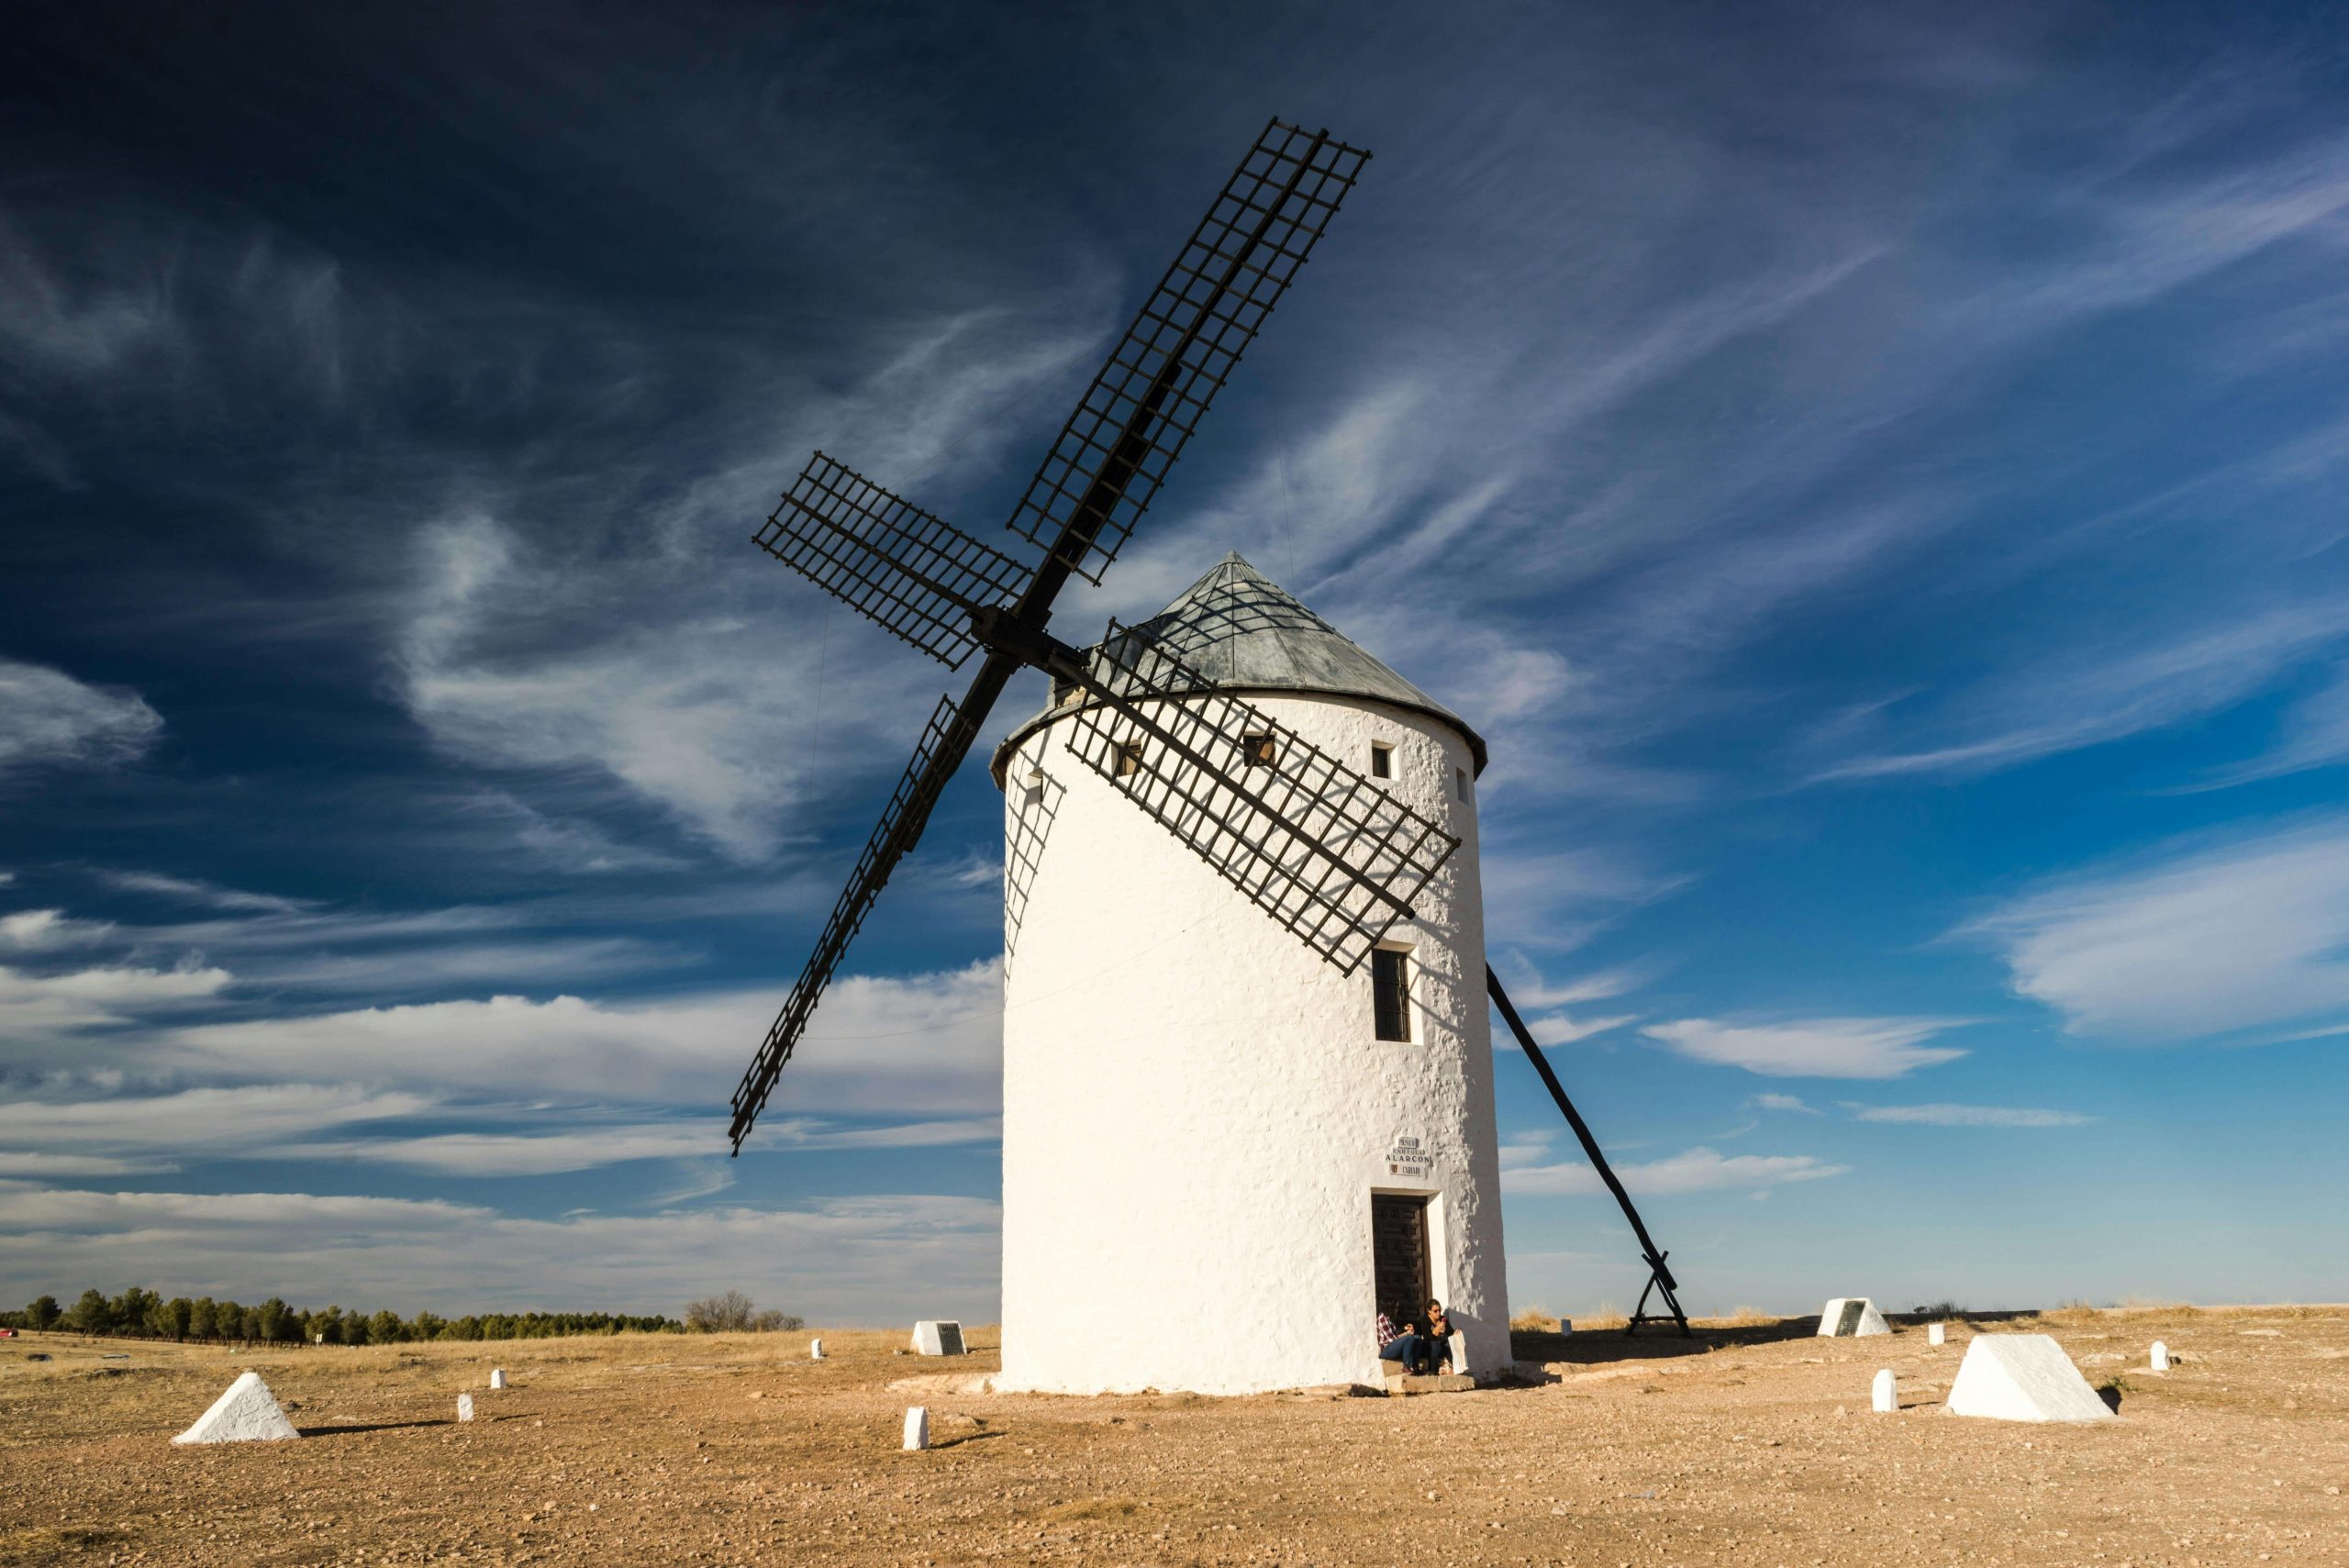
(1414, 1351)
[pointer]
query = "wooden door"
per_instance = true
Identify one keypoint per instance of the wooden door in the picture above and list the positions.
(1398, 1243)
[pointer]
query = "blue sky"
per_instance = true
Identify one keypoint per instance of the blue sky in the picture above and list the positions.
(1876, 477)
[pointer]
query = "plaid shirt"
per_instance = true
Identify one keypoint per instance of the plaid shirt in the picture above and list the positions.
(1386, 1335)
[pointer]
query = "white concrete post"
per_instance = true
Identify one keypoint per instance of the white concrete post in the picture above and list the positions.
(917, 1428)
(815, 1349)
(2161, 1356)
(465, 1406)
(1886, 1395)
(498, 1377)
(1937, 1333)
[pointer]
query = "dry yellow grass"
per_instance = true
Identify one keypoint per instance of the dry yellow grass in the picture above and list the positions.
(1740, 1318)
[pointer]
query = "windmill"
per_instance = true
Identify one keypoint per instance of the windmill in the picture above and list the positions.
(1300, 833)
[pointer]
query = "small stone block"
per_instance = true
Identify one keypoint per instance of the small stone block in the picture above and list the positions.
(1937, 1334)
(498, 1377)
(917, 1428)
(815, 1349)
(2022, 1377)
(2160, 1357)
(248, 1412)
(1851, 1314)
(465, 1406)
(1884, 1394)
(938, 1337)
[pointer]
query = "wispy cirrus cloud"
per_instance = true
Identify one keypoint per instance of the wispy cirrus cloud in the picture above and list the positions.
(48, 931)
(193, 890)
(1812, 1048)
(2205, 937)
(1692, 1171)
(1968, 1116)
(598, 1141)
(37, 1008)
(47, 719)
(2032, 712)
(921, 1045)
(254, 1118)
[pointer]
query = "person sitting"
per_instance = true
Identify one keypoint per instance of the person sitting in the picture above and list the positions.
(1437, 1342)
(1398, 1345)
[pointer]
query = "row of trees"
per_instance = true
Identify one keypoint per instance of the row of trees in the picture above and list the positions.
(144, 1314)
(735, 1313)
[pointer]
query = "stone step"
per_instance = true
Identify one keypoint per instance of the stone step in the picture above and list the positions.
(1443, 1382)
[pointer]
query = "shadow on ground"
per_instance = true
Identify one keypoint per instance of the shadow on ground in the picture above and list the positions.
(1651, 1343)
(368, 1426)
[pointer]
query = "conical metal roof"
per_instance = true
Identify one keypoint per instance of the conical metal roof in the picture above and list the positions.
(1246, 633)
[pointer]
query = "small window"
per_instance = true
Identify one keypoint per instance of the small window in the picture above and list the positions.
(1259, 750)
(1460, 783)
(1129, 758)
(1032, 798)
(1381, 761)
(1390, 992)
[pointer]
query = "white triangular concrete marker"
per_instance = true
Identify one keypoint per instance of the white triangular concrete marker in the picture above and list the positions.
(1884, 1394)
(248, 1412)
(815, 1349)
(918, 1426)
(2022, 1377)
(1937, 1334)
(2159, 1361)
(1849, 1314)
(465, 1406)
(938, 1337)
(498, 1377)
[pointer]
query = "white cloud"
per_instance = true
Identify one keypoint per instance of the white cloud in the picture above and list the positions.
(46, 1165)
(37, 1005)
(48, 717)
(1784, 1102)
(210, 895)
(592, 1146)
(918, 1045)
(1532, 991)
(1812, 1048)
(1695, 1170)
(2201, 937)
(1557, 1029)
(246, 1119)
(1970, 1116)
(2039, 711)
(46, 930)
(840, 1260)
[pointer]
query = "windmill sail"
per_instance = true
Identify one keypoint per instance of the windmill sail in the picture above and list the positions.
(949, 596)
(1115, 450)
(915, 573)
(1307, 839)
(944, 743)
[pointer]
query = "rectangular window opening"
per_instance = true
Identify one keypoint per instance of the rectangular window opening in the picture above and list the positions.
(1381, 761)
(1129, 758)
(1259, 750)
(1390, 992)
(1460, 783)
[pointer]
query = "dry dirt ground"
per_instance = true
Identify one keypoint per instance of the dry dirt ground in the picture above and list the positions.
(1752, 1445)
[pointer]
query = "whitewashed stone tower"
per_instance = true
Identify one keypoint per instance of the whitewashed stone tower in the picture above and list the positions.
(1214, 1170)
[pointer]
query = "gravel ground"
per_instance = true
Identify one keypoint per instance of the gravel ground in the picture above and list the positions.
(1753, 1445)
